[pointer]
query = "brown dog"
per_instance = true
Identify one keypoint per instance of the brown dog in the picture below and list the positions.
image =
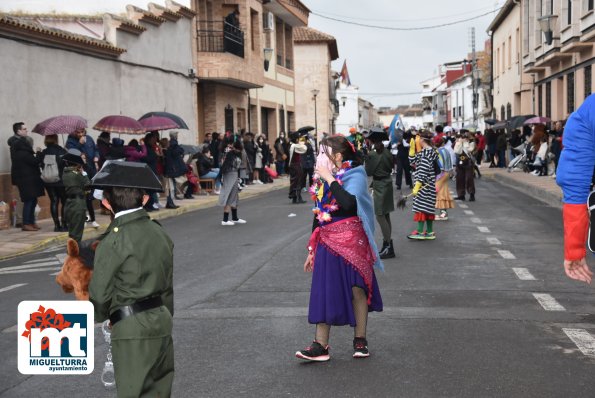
(75, 274)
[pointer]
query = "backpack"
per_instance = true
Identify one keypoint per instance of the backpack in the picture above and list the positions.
(50, 173)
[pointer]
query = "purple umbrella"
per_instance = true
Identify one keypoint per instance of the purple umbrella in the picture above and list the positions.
(64, 124)
(153, 123)
(119, 124)
(537, 120)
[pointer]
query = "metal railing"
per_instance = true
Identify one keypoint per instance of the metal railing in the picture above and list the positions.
(219, 37)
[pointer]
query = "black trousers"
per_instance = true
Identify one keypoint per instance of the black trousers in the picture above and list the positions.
(465, 180)
(403, 166)
(57, 196)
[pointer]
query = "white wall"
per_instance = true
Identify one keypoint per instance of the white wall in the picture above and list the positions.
(348, 113)
(40, 82)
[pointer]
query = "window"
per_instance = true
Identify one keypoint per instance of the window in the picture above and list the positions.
(497, 66)
(454, 113)
(570, 92)
(569, 12)
(282, 119)
(518, 45)
(502, 113)
(508, 111)
(509, 52)
(461, 112)
(288, 47)
(548, 99)
(254, 30)
(540, 99)
(504, 57)
(587, 81)
(526, 28)
(279, 41)
(590, 5)
(551, 7)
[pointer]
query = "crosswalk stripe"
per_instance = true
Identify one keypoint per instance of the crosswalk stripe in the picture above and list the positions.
(506, 254)
(523, 274)
(469, 212)
(485, 230)
(492, 240)
(475, 220)
(22, 271)
(463, 206)
(7, 288)
(16, 267)
(548, 302)
(583, 340)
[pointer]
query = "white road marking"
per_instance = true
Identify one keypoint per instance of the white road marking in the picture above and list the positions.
(485, 230)
(469, 212)
(463, 206)
(492, 240)
(506, 254)
(548, 302)
(7, 288)
(46, 264)
(475, 220)
(583, 340)
(523, 274)
(13, 328)
(39, 260)
(22, 271)
(54, 273)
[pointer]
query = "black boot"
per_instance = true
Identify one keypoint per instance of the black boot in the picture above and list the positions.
(188, 194)
(389, 252)
(384, 247)
(299, 197)
(170, 203)
(472, 197)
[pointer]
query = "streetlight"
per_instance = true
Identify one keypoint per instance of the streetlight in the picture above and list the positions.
(546, 24)
(315, 92)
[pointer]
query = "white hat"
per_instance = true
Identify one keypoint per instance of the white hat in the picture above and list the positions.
(447, 129)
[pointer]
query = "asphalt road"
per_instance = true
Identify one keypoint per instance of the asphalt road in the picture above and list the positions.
(458, 320)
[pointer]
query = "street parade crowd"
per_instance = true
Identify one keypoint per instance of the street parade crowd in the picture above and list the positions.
(337, 174)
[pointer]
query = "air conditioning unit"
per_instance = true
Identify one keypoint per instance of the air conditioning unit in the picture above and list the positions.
(269, 22)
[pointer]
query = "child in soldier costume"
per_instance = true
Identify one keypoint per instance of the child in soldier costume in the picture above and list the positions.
(132, 283)
(75, 183)
(424, 187)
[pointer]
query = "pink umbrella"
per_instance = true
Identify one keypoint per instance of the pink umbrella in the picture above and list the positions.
(537, 120)
(64, 124)
(119, 124)
(153, 123)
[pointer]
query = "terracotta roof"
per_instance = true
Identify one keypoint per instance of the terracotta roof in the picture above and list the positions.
(163, 12)
(180, 9)
(141, 15)
(128, 25)
(305, 34)
(28, 28)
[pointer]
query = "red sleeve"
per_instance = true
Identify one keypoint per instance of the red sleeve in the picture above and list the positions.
(576, 226)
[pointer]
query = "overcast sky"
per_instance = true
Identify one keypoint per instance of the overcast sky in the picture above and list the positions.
(379, 61)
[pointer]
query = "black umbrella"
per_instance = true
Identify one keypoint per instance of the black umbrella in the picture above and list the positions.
(500, 125)
(190, 149)
(178, 120)
(306, 129)
(491, 121)
(376, 134)
(517, 122)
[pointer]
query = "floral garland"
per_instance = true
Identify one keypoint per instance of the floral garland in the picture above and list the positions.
(324, 201)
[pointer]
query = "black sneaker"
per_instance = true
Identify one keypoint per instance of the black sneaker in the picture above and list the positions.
(315, 352)
(360, 348)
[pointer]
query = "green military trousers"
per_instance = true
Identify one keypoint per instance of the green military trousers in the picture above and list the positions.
(143, 354)
(75, 212)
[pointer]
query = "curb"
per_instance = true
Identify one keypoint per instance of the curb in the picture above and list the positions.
(549, 198)
(91, 233)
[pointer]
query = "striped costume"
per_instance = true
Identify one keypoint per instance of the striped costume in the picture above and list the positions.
(425, 200)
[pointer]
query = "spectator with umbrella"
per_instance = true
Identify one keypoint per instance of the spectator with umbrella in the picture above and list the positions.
(174, 167)
(25, 174)
(80, 141)
(51, 156)
(151, 159)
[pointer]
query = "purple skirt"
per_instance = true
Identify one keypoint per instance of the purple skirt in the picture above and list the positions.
(331, 296)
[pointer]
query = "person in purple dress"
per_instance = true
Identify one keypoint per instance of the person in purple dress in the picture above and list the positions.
(342, 253)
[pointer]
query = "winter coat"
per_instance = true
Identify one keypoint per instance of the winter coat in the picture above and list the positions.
(379, 166)
(133, 154)
(88, 148)
(151, 158)
(58, 151)
(25, 172)
(203, 164)
(174, 161)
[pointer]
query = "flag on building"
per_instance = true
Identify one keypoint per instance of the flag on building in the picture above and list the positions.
(345, 74)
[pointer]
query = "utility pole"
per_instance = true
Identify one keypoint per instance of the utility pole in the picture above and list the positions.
(474, 74)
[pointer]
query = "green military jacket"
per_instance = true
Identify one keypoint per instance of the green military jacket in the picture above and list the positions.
(75, 184)
(133, 261)
(380, 166)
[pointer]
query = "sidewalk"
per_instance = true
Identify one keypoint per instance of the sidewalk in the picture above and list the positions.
(544, 189)
(14, 242)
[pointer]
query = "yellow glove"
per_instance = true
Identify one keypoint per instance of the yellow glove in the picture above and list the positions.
(412, 148)
(416, 188)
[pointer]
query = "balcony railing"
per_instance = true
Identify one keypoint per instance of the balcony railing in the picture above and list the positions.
(219, 37)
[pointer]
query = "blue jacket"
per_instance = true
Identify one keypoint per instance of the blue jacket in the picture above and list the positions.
(88, 148)
(577, 161)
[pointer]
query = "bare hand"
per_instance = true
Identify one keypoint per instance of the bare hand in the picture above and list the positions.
(325, 174)
(578, 270)
(82, 140)
(309, 264)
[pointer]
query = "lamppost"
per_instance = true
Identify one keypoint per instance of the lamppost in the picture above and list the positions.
(268, 54)
(546, 24)
(315, 92)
